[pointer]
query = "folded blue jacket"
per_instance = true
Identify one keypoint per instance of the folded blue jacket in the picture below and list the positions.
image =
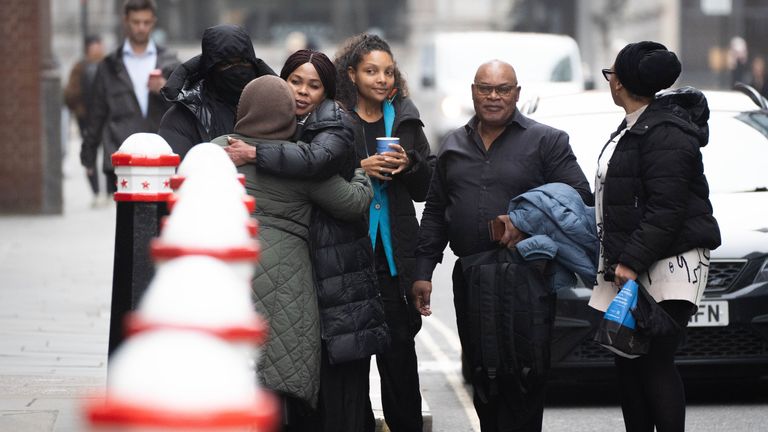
(560, 225)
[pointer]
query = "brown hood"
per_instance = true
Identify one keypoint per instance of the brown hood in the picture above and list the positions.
(267, 109)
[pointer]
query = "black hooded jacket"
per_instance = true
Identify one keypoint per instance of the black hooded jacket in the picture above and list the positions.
(192, 120)
(656, 199)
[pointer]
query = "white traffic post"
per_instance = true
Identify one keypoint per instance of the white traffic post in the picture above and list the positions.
(203, 294)
(203, 159)
(174, 381)
(143, 165)
(209, 218)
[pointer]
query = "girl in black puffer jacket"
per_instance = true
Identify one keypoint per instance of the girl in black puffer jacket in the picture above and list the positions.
(654, 220)
(372, 88)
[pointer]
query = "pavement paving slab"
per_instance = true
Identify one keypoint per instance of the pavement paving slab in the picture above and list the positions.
(28, 420)
(55, 282)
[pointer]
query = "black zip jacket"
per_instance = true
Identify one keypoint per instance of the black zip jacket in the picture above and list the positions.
(656, 199)
(115, 114)
(406, 187)
(323, 148)
(351, 308)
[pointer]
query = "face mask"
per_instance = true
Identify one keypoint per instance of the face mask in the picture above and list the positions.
(229, 83)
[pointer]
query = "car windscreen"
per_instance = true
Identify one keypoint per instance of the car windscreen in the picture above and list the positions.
(755, 119)
(735, 160)
(534, 61)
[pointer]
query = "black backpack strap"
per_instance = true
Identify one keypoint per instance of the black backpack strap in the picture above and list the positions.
(537, 306)
(488, 292)
(509, 320)
(475, 355)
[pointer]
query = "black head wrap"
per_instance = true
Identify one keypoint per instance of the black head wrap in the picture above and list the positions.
(323, 65)
(645, 68)
(223, 42)
(220, 44)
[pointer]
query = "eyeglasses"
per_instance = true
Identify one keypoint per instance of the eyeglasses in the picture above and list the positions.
(607, 74)
(503, 90)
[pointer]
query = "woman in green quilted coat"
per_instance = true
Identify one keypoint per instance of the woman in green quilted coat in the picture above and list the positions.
(283, 287)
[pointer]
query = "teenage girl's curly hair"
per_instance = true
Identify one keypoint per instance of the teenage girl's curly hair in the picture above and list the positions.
(350, 55)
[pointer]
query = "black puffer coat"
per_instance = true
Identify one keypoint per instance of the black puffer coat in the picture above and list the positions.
(405, 188)
(190, 121)
(324, 147)
(351, 310)
(656, 198)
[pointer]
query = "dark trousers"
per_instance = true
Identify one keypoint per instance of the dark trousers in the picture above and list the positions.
(111, 181)
(297, 416)
(398, 367)
(506, 412)
(652, 392)
(509, 410)
(93, 178)
(345, 404)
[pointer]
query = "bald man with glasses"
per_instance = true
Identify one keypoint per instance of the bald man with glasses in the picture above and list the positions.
(496, 156)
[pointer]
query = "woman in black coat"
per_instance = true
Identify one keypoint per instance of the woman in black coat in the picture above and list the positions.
(654, 221)
(372, 88)
(351, 309)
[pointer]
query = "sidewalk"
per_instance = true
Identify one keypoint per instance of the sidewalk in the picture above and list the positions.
(55, 282)
(55, 286)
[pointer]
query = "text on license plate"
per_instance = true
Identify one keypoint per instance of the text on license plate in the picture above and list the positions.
(710, 314)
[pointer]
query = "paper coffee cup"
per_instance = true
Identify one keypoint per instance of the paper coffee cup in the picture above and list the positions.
(382, 144)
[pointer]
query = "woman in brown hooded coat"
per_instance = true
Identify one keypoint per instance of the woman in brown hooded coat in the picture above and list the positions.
(283, 284)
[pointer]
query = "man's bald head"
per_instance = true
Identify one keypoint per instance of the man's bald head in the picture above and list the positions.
(496, 66)
(495, 93)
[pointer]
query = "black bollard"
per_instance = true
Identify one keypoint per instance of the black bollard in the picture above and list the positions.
(143, 187)
(137, 224)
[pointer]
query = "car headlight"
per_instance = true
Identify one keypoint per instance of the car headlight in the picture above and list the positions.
(451, 107)
(762, 274)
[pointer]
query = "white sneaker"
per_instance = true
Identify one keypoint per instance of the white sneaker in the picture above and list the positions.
(103, 201)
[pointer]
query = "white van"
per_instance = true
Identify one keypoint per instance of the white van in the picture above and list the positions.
(546, 64)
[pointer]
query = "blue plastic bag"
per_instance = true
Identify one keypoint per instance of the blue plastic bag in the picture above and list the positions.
(618, 330)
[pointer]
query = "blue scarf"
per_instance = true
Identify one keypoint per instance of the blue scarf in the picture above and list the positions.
(379, 210)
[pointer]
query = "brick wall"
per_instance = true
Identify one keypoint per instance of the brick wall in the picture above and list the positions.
(24, 144)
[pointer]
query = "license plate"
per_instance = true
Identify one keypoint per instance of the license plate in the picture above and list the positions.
(710, 314)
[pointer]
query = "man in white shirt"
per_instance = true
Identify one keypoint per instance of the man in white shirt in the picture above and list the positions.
(126, 94)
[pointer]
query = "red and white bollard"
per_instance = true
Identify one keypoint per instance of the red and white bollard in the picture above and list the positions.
(188, 364)
(204, 222)
(212, 187)
(172, 380)
(203, 294)
(203, 159)
(143, 165)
